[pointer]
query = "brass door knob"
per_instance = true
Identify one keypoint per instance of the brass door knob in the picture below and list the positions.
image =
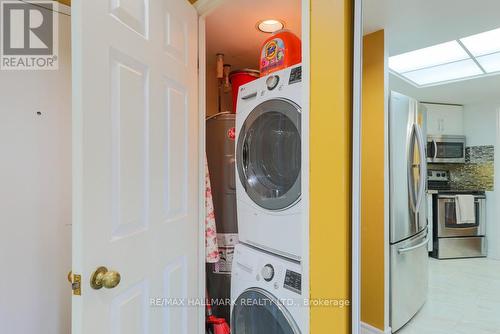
(102, 277)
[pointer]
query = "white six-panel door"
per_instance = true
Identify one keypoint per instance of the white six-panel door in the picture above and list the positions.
(135, 164)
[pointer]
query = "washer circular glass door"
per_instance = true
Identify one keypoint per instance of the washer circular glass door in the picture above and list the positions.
(256, 311)
(268, 154)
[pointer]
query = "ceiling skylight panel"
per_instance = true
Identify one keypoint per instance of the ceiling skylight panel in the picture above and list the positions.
(490, 63)
(431, 56)
(483, 43)
(447, 72)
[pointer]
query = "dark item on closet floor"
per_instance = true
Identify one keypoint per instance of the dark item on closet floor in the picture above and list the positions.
(215, 325)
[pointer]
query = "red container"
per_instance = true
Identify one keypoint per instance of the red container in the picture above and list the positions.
(283, 49)
(238, 78)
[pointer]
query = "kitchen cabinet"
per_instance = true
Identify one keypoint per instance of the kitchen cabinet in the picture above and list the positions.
(444, 119)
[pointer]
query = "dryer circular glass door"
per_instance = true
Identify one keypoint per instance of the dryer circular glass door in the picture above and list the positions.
(268, 154)
(256, 311)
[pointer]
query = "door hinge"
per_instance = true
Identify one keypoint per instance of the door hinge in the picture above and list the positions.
(76, 283)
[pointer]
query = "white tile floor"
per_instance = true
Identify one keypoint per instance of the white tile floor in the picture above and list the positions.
(464, 298)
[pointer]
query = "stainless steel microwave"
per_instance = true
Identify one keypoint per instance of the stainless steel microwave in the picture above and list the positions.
(446, 149)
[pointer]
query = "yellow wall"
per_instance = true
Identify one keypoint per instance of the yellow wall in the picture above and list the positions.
(330, 167)
(372, 181)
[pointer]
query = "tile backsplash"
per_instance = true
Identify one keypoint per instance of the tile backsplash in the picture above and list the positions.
(476, 174)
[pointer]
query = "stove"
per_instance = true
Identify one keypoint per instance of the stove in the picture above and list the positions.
(450, 238)
(438, 180)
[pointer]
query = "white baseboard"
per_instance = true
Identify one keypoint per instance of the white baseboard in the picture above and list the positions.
(369, 329)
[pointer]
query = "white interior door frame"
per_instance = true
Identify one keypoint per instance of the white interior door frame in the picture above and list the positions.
(387, 271)
(356, 166)
(305, 142)
(201, 167)
(204, 8)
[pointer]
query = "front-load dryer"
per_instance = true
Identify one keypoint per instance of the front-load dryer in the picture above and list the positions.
(266, 294)
(268, 163)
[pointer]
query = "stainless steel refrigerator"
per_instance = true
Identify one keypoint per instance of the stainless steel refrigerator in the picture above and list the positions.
(408, 209)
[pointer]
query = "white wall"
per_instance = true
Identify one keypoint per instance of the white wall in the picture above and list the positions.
(481, 127)
(480, 123)
(35, 197)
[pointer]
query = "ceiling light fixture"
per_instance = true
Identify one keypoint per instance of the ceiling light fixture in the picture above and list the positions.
(270, 25)
(465, 58)
(490, 63)
(484, 43)
(427, 57)
(443, 73)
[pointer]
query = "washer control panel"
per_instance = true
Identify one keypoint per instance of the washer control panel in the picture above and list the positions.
(293, 281)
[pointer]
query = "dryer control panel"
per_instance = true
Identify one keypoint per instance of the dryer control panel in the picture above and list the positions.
(293, 281)
(295, 75)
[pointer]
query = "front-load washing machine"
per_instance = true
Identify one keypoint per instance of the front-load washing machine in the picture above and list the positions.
(266, 294)
(268, 163)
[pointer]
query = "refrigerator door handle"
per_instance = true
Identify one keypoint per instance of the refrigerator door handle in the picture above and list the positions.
(411, 153)
(423, 167)
(409, 249)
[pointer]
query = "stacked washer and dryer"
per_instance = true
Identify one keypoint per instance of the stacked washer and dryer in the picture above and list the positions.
(266, 281)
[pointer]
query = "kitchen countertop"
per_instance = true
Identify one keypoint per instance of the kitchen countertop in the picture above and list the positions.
(453, 191)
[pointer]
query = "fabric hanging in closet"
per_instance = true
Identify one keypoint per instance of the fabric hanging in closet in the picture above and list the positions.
(211, 246)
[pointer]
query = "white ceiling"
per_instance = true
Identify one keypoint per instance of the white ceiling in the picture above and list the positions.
(230, 29)
(414, 24)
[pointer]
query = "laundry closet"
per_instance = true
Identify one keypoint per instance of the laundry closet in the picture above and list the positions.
(252, 64)
(253, 145)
